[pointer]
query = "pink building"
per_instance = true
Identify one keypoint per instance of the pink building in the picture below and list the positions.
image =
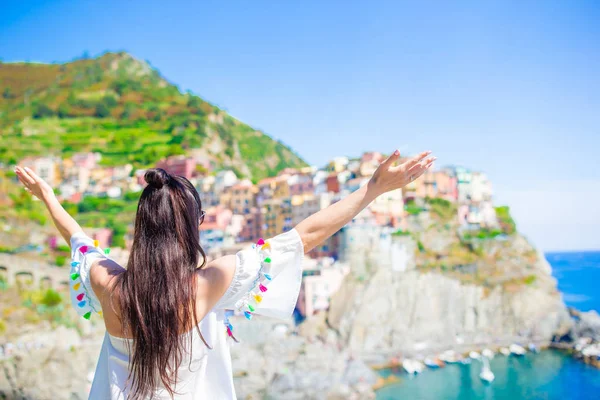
(251, 230)
(178, 165)
(216, 218)
(320, 280)
(85, 160)
(437, 184)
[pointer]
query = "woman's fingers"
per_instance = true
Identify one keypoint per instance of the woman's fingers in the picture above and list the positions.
(32, 174)
(392, 158)
(22, 180)
(415, 160)
(421, 164)
(420, 168)
(24, 177)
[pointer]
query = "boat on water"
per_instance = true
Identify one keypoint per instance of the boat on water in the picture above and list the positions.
(516, 349)
(486, 373)
(431, 363)
(466, 361)
(533, 348)
(505, 351)
(474, 355)
(450, 357)
(488, 353)
(412, 367)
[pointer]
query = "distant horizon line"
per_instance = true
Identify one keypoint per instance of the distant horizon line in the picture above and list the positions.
(571, 251)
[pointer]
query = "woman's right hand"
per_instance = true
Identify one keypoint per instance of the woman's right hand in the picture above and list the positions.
(34, 184)
(388, 177)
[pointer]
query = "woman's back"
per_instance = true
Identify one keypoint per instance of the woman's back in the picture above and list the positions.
(263, 279)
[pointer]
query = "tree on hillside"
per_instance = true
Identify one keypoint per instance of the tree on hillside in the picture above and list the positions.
(64, 111)
(8, 94)
(41, 110)
(102, 110)
(110, 101)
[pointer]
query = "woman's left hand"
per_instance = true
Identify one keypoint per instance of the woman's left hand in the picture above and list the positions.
(34, 184)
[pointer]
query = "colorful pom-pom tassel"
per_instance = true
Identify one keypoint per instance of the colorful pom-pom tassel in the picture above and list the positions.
(230, 327)
(81, 303)
(80, 296)
(74, 263)
(266, 246)
(267, 260)
(76, 286)
(229, 331)
(267, 276)
(100, 313)
(74, 276)
(250, 307)
(107, 251)
(262, 287)
(260, 242)
(96, 243)
(87, 315)
(83, 249)
(247, 315)
(257, 298)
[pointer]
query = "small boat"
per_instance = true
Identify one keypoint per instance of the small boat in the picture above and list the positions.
(488, 353)
(475, 355)
(516, 349)
(486, 373)
(465, 361)
(431, 363)
(450, 357)
(533, 348)
(412, 366)
(505, 351)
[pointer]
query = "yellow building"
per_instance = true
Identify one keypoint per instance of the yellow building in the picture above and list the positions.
(243, 197)
(277, 216)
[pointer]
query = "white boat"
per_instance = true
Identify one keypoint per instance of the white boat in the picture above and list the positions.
(486, 373)
(488, 353)
(431, 363)
(412, 366)
(533, 348)
(505, 351)
(516, 349)
(475, 355)
(450, 357)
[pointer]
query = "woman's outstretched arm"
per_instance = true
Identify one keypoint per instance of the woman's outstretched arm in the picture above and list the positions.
(35, 185)
(321, 225)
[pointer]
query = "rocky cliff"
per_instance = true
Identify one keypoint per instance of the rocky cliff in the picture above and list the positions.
(398, 300)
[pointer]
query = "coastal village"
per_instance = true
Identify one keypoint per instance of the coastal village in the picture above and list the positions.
(239, 212)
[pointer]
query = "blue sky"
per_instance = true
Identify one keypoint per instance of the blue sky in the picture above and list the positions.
(510, 88)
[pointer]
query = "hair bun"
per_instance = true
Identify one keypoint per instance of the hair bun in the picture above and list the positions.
(157, 177)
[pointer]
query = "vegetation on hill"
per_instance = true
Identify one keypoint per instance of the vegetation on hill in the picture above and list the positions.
(123, 109)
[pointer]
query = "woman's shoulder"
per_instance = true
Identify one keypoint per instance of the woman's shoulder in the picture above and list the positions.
(215, 278)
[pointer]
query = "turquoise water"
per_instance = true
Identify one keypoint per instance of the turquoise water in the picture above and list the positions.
(548, 375)
(578, 275)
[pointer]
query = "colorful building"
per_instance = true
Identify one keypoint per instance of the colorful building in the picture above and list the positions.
(276, 216)
(179, 166)
(320, 280)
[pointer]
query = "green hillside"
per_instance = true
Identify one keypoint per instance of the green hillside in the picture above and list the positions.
(122, 108)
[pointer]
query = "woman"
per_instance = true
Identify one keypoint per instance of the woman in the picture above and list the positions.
(167, 328)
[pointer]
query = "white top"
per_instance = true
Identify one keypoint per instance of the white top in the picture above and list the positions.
(267, 280)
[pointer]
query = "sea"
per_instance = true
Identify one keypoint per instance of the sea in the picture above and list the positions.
(547, 375)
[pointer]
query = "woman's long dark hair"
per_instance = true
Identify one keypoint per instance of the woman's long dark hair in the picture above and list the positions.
(157, 293)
